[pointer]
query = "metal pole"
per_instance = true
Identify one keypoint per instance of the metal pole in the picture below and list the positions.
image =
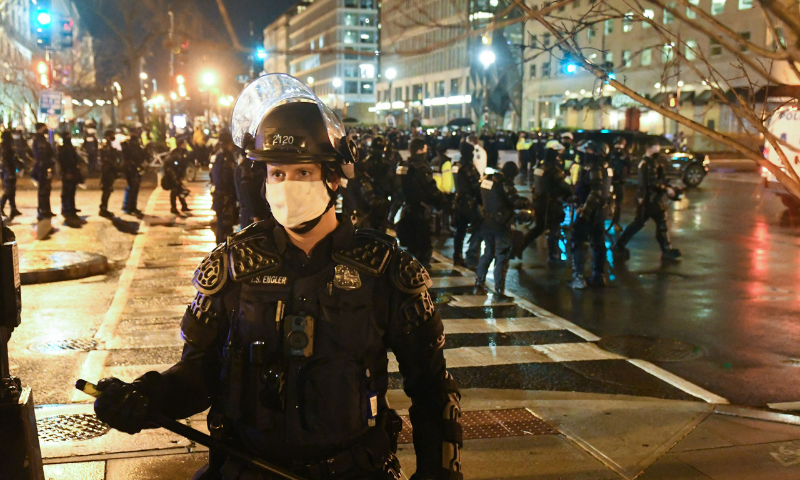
(171, 66)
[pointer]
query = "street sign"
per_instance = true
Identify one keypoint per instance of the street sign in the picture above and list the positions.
(50, 102)
(243, 79)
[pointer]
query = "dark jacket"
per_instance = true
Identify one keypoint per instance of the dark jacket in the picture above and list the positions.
(68, 163)
(419, 187)
(109, 163)
(652, 182)
(8, 160)
(620, 162)
(223, 180)
(298, 406)
(500, 200)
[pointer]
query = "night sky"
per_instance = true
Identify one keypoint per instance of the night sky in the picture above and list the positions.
(242, 12)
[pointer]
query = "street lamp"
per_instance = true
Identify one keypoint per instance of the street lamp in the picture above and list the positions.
(310, 80)
(337, 82)
(143, 76)
(487, 58)
(208, 79)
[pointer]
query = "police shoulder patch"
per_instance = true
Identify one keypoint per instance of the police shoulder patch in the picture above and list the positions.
(212, 273)
(370, 253)
(487, 184)
(252, 256)
(409, 275)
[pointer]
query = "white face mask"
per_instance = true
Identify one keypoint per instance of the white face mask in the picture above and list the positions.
(294, 203)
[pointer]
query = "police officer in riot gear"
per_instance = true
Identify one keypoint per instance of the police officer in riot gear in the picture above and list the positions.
(421, 196)
(620, 161)
(70, 177)
(652, 188)
(249, 179)
(174, 173)
(90, 146)
(363, 203)
(500, 201)
(109, 171)
(42, 172)
(593, 194)
(467, 209)
(550, 189)
(224, 186)
(8, 171)
(133, 158)
(286, 340)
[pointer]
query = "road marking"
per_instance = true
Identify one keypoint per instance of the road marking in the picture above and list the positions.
(92, 370)
(784, 406)
(113, 315)
(576, 352)
(500, 325)
(678, 382)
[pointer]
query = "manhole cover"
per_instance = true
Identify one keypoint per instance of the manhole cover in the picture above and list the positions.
(483, 424)
(65, 345)
(651, 349)
(65, 428)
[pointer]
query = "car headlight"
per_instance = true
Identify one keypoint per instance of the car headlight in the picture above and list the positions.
(706, 161)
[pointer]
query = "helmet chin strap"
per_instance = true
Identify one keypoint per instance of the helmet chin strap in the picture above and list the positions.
(309, 225)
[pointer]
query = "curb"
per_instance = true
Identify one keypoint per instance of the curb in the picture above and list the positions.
(46, 266)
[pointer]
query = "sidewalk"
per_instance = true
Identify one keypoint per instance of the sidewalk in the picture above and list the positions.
(512, 434)
(523, 432)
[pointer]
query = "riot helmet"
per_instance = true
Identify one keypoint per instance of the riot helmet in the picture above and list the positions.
(277, 119)
(510, 170)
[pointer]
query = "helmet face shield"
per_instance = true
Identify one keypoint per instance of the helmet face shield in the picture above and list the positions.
(278, 118)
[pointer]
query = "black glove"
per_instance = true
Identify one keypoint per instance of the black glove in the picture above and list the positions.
(121, 405)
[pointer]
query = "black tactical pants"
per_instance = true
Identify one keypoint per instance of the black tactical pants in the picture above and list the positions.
(45, 187)
(498, 248)
(107, 185)
(619, 192)
(414, 233)
(68, 188)
(644, 212)
(9, 192)
(130, 202)
(589, 228)
(548, 216)
(474, 245)
(177, 194)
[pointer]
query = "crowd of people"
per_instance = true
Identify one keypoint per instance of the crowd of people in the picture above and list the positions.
(577, 188)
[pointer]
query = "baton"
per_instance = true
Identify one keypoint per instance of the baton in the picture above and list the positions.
(199, 437)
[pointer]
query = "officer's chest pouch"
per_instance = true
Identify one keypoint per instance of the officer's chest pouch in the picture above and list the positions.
(344, 321)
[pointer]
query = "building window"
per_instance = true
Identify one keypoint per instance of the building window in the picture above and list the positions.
(398, 93)
(669, 17)
(321, 41)
(717, 7)
(350, 19)
(648, 13)
(531, 39)
(416, 92)
(351, 3)
(455, 86)
(367, 4)
(691, 50)
(349, 36)
(745, 4)
(532, 71)
(779, 38)
(546, 40)
(609, 26)
(351, 71)
(608, 57)
(350, 87)
(711, 125)
(714, 48)
(667, 54)
(591, 32)
(366, 37)
(647, 56)
(546, 69)
(366, 87)
(626, 58)
(438, 89)
(746, 36)
(627, 22)
(366, 21)
(691, 13)
(366, 70)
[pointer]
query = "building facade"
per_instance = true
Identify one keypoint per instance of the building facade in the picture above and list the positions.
(559, 95)
(332, 46)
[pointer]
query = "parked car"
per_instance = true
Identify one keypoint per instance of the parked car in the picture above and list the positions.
(687, 166)
(784, 124)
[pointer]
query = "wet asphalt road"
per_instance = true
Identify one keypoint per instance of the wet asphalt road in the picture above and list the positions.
(725, 317)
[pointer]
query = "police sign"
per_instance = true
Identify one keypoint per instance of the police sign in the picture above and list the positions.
(50, 102)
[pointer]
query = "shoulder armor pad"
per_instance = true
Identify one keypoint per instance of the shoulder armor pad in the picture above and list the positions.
(409, 275)
(212, 273)
(252, 255)
(370, 254)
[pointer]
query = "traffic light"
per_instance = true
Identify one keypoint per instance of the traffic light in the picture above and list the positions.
(569, 66)
(43, 22)
(43, 71)
(258, 60)
(66, 33)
